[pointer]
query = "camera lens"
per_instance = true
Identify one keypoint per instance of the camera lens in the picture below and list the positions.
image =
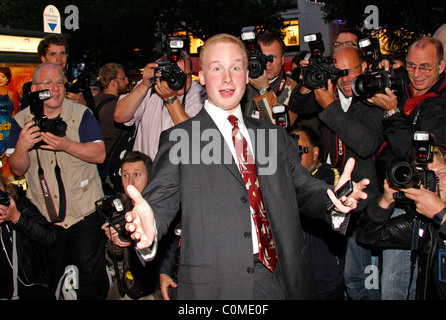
(402, 174)
(313, 77)
(255, 69)
(367, 86)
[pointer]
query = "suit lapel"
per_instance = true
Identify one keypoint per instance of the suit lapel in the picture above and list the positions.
(206, 122)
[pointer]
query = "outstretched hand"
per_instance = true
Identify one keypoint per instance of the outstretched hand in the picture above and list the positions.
(346, 204)
(140, 221)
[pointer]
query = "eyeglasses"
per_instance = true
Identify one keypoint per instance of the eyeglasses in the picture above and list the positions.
(344, 44)
(125, 78)
(49, 84)
(353, 69)
(410, 67)
(302, 149)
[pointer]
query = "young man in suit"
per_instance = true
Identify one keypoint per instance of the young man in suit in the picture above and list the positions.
(220, 253)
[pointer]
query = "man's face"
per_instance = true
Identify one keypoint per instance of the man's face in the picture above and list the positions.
(345, 39)
(274, 68)
(308, 160)
(121, 81)
(50, 78)
(348, 58)
(440, 170)
(427, 57)
(183, 65)
(57, 55)
(135, 174)
(225, 75)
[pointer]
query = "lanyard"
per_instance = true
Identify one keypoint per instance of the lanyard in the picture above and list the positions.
(47, 195)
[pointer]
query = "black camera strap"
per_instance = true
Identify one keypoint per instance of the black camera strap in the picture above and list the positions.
(47, 194)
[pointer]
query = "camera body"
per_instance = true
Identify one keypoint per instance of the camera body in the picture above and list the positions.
(80, 84)
(112, 210)
(5, 198)
(257, 60)
(56, 126)
(169, 70)
(319, 69)
(375, 79)
(404, 174)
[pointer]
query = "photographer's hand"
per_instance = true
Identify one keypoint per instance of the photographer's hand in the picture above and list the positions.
(163, 90)
(19, 159)
(325, 96)
(9, 213)
(386, 200)
(113, 235)
(260, 82)
(386, 101)
(148, 73)
(76, 97)
(140, 221)
(427, 203)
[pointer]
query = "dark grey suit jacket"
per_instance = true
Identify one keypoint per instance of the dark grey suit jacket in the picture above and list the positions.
(216, 250)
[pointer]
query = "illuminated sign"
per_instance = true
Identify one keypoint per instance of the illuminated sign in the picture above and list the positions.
(19, 44)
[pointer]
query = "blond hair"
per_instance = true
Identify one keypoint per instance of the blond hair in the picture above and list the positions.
(222, 38)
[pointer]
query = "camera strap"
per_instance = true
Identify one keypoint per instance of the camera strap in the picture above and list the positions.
(47, 194)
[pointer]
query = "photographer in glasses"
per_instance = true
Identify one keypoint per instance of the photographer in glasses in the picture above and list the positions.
(62, 176)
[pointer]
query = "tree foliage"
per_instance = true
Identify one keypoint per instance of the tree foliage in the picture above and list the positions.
(111, 30)
(400, 21)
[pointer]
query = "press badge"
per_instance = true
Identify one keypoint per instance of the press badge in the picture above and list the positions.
(442, 265)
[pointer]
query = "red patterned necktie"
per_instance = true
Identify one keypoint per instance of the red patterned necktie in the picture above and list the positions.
(267, 248)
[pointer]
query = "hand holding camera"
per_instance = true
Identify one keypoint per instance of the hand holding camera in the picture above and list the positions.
(8, 209)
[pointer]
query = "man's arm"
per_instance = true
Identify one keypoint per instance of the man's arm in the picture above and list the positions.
(28, 137)
(127, 106)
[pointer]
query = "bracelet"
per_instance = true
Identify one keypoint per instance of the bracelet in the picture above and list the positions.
(170, 100)
(389, 113)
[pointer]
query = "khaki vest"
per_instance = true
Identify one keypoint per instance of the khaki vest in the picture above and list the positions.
(81, 179)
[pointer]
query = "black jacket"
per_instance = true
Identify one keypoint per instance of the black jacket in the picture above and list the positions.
(34, 233)
(377, 229)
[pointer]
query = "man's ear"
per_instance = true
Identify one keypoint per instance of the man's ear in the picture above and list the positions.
(315, 153)
(201, 76)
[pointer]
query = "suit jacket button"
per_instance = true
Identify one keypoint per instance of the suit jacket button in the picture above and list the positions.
(247, 234)
(243, 199)
(250, 270)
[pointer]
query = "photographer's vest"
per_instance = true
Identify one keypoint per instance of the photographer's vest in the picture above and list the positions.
(80, 178)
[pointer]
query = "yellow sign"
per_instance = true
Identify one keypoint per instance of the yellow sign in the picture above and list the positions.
(19, 44)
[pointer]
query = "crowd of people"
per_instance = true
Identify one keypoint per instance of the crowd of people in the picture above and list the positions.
(217, 200)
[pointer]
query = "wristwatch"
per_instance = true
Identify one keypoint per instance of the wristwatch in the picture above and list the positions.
(170, 100)
(390, 113)
(263, 91)
(438, 218)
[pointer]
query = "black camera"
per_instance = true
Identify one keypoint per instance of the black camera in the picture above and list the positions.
(404, 174)
(257, 60)
(55, 126)
(319, 69)
(80, 84)
(5, 198)
(375, 79)
(112, 210)
(169, 70)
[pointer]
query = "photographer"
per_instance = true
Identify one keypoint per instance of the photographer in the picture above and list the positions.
(155, 107)
(63, 163)
(421, 108)
(27, 277)
(273, 87)
(377, 228)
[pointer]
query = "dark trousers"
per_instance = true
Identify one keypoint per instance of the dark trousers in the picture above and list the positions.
(82, 245)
